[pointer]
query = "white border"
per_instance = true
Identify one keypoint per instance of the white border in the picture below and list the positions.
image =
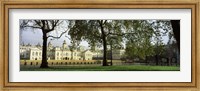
(100, 76)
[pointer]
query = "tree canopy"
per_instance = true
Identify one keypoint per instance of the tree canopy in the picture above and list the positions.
(46, 26)
(140, 38)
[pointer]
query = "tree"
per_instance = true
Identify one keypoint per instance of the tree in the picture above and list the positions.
(137, 34)
(146, 40)
(170, 28)
(139, 44)
(46, 26)
(97, 32)
(176, 30)
(74, 46)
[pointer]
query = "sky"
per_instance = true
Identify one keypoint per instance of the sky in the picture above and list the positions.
(34, 36)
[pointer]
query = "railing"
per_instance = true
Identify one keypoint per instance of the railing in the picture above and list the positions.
(78, 63)
(31, 63)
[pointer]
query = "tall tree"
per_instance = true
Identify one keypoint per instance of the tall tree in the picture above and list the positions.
(136, 33)
(147, 39)
(97, 32)
(176, 30)
(139, 44)
(46, 26)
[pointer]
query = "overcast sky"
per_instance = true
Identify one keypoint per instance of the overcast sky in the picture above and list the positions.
(35, 36)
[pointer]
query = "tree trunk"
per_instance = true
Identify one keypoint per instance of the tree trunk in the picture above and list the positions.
(170, 60)
(104, 52)
(168, 63)
(44, 52)
(176, 31)
(111, 63)
(156, 59)
(146, 60)
(104, 45)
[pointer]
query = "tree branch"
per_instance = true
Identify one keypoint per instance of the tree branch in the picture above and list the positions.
(99, 21)
(32, 26)
(54, 24)
(122, 34)
(105, 22)
(58, 36)
(68, 37)
(38, 23)
(48, 26)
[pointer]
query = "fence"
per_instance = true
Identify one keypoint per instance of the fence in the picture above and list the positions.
(91, 62)
(53, 63)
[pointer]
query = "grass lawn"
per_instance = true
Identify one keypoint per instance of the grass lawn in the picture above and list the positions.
(104, 68)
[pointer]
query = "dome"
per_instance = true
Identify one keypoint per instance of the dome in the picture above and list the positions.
(49, 44)
(64, 46)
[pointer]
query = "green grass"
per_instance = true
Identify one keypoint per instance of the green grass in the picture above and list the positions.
(104, 68)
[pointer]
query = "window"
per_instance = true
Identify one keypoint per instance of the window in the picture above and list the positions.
(40, 53)
(58, 54)
(66, 54)
(32, 53)
(36, 53)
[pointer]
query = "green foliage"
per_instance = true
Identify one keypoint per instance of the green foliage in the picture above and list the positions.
(90, 31)
(142, 37)
(139, 42)
(145, 38)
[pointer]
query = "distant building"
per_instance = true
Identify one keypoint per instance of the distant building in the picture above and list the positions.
(118, 54)
(30, 52)
(54, 53)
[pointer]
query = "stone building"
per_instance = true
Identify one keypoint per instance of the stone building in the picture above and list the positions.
(30, 52)
(117, 54)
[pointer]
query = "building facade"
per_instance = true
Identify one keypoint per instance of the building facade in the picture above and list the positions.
(29, 52)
